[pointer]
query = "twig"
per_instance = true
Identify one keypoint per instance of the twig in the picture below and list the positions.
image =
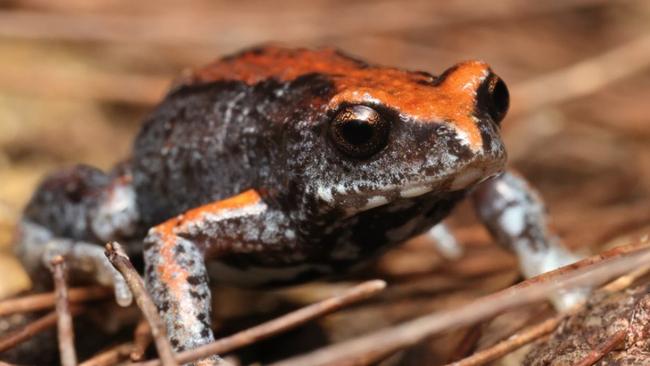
(111, 356)
(515, 341)
(141, 340)
(283, 323)
(121, 262)
(378, 345)
(20, 335)
(625, 281)
(48, 300)
(15, 338)
(533, 332)
(468, 343)
(604, 348)
(64, 322)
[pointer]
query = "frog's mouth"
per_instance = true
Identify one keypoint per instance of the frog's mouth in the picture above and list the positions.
(467, 178)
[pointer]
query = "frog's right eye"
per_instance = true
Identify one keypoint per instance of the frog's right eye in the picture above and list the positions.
(359, 131)
(497, 98)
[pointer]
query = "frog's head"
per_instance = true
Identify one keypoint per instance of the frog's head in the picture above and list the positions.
(385, 134)
(358, 136)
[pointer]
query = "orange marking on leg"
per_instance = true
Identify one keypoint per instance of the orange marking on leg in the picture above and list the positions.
(247, 198)
(171, 272)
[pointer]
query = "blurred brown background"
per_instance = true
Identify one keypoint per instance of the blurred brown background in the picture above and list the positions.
(76, 78)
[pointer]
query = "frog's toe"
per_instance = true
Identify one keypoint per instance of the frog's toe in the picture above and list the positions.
(107, 275)
(89, 259)
(103, 271)
(445, 242)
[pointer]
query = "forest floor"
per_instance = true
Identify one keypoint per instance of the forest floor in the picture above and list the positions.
(77, 78)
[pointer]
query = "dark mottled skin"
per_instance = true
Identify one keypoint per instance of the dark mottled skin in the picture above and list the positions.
(81, 187)
(240, 166)
(199, 146)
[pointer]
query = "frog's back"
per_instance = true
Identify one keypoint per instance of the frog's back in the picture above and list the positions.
(193, 150)
(216, 134)
(222, 128)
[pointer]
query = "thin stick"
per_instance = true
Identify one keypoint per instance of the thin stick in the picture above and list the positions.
(28, 331)
(604, 348)
(281, 324)
(536, 331)
(513, 342)
(141, 340)
(378, 345)
(111, 356)
(64, 322)
(121, 262)
(48, 300)
(624, 282)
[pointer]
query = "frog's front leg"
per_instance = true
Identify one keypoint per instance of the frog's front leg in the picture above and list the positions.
(176, 251)
(515, 215)
(71, 213)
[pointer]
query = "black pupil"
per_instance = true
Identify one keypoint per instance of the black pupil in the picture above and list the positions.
(357, 132)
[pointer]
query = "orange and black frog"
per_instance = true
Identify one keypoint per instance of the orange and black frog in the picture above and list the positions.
(276, 166)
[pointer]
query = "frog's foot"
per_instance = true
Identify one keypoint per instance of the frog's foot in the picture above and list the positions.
(37, 246)
(445, 242)
(516, 216)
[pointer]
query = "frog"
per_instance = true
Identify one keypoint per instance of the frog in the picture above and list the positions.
(277, 165)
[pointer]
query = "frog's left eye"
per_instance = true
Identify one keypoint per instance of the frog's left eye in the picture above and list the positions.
(359, 131)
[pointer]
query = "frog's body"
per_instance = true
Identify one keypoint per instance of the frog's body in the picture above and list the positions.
(215, 138)
(280, 165)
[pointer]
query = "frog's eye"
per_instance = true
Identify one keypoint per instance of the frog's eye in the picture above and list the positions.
(359, 131)
(497, 98)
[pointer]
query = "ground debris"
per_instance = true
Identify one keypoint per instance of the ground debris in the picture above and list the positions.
(605, 315)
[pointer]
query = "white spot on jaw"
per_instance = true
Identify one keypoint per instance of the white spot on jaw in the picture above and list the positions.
(466, 178)
(414, 191)
(325, 194)
(375, 201)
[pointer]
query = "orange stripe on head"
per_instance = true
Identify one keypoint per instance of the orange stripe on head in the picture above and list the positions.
(419, 96)
(271, 62)
(416, 96)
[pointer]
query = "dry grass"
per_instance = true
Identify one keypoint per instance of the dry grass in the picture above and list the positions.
(76, 78)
